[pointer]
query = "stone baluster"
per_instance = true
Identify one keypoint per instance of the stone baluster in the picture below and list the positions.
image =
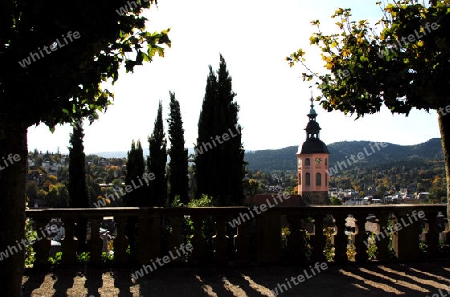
(220, 240)
(176, 239)
(361, 238)
(242, 244)
(69, 244)
(198, 241)
(95, 244)
(120, 242)
(318, 240)
(42, 246)
(383, 238)
(340, 239)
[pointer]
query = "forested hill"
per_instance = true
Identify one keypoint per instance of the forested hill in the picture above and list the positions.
(285, 158)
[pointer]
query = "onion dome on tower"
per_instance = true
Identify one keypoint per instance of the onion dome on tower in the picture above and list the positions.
(313, 144)
(312, 158)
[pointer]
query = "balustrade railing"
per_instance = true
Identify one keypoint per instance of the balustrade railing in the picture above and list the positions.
(294, 235)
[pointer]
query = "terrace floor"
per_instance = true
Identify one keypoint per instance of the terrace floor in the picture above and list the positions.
(382, 279)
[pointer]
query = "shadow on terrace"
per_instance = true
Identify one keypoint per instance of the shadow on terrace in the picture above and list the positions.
(381, 250)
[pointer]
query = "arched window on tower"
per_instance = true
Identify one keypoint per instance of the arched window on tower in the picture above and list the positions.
(308, 179)
(318, 179)
(326, 161)
(299, 178)
(307, 162)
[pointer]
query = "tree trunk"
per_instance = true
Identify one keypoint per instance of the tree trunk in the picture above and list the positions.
(444, 127)
(13, 144)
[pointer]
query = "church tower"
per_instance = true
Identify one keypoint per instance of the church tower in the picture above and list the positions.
(312, 164)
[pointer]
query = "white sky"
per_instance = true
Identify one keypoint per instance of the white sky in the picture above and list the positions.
(254, 37)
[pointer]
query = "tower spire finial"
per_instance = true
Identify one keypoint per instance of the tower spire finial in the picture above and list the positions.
(312, 112)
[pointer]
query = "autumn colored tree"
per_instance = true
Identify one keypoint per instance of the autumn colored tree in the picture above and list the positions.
(402, 64)
(54, 58)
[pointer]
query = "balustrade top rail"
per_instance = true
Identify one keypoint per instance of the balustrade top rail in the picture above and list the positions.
(224, 211)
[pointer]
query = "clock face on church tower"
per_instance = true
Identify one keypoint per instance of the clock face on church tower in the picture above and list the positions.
(318, 161)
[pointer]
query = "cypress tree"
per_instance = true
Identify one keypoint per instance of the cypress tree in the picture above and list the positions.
(135, 170)
(78, 192)
(219, 160)
(137, 197)
(204, 155)
(157, 161)
(178, 164)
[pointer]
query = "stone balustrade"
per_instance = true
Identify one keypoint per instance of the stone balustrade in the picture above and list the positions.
(279, 235)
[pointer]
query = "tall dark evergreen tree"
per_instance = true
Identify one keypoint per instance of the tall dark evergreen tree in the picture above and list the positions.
(178, 164)
(137, 197)
(78, 192)
(157, 161)
(219, 161)
(135, 170)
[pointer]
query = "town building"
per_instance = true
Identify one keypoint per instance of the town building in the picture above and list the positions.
(312, 164)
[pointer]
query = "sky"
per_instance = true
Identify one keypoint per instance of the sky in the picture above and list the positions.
(254, 37)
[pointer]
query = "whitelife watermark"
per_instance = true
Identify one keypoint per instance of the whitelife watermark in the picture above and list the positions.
(147, 177)
(10, 160)
(243, 217)
(360, 156)
(397, 227)
(146, 269)
(208, 146)
(441, 110)
(24, 243)
(129, 6)
(410, 38)
(38, 54)
(79, 123)
(296, 280)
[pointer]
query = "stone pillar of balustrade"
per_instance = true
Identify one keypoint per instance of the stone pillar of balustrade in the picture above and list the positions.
(176, 239)
(198, 241)
(120, 242)
(406, 237)
(95, 243)
(432, 235)
(41, 247)
(340, 239)
(318, 240)
(295, 241)
(268, 238)
(148, 238)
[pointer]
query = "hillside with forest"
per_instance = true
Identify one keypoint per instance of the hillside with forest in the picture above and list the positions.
(285, 158)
